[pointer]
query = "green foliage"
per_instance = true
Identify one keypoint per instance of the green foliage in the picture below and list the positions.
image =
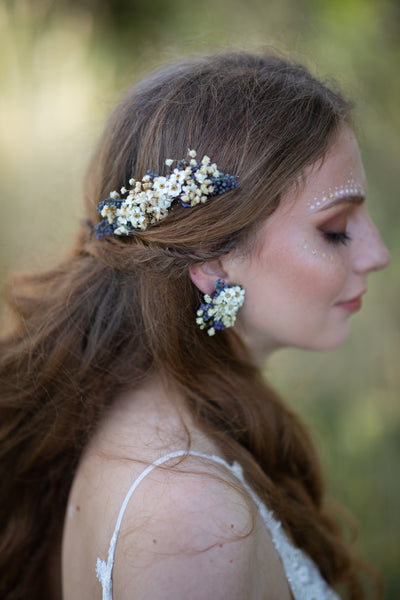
(63, 64)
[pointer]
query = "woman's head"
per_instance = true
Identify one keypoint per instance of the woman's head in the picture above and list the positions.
(259, 118)
(262, 119)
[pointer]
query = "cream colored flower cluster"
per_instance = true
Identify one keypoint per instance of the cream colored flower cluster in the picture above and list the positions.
(219, 310)
(147, 201)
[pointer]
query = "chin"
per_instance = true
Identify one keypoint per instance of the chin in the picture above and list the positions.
(328, 342)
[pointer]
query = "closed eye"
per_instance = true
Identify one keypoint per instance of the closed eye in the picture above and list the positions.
(336, 237)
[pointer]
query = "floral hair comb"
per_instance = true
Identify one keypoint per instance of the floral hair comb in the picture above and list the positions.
(146, 202)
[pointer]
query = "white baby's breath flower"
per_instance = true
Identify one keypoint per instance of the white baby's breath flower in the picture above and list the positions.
(190, 186)
(192, 153)
(160, 183)
(139, 221)
(179, 175)
(157, 210)
(213, 171)
(123, 214)
(174, 189)
(121, 230)
(165, 203)
(108, 212)
(169, 162)
(200, 177)
(114, 195)
(153, 198)
(204, 188)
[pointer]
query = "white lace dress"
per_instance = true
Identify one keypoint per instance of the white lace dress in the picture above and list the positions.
(305, 580)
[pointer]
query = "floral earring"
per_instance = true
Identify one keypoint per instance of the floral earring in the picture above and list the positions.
(219, 310)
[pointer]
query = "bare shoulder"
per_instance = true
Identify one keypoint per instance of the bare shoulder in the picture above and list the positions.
(192, 532)
(189, 529)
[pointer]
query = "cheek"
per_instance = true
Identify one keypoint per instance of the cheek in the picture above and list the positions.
(320, 269)
(307, 273)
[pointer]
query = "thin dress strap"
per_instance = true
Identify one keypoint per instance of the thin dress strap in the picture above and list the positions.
(304, 578)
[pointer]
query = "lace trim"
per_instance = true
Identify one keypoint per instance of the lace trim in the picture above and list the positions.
(305, 580)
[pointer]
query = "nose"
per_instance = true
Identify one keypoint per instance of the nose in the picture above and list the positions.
(372, 254)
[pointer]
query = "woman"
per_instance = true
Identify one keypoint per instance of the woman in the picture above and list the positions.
(139, 432)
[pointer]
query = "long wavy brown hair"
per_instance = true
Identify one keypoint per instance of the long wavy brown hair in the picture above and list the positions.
(115, 309)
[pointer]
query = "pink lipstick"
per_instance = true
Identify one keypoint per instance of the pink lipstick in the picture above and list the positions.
(351, 305)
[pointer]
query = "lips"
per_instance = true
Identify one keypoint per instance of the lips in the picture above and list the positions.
(351, 305)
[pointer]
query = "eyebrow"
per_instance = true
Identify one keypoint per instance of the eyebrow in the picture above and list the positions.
(356, 199)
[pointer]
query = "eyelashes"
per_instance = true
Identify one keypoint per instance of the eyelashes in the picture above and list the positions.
(336, 237)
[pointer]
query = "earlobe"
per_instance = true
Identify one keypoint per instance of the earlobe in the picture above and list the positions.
(204, 275)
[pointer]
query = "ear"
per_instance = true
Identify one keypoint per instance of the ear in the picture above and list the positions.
(204, 275)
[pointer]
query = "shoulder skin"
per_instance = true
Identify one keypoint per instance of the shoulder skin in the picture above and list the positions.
(189, 530)
(195, 535)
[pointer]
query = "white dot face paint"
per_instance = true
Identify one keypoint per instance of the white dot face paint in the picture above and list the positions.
(350, 188)
(315, 252)
(311, 258)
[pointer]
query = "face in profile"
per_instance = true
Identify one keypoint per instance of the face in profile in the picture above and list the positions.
(308, 269)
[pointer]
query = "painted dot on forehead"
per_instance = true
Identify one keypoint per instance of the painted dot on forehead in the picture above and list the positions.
(349, 188)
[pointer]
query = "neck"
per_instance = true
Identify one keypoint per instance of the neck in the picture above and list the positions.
(258, 347)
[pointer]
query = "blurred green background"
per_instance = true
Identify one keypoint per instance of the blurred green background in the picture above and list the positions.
(63, 64)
